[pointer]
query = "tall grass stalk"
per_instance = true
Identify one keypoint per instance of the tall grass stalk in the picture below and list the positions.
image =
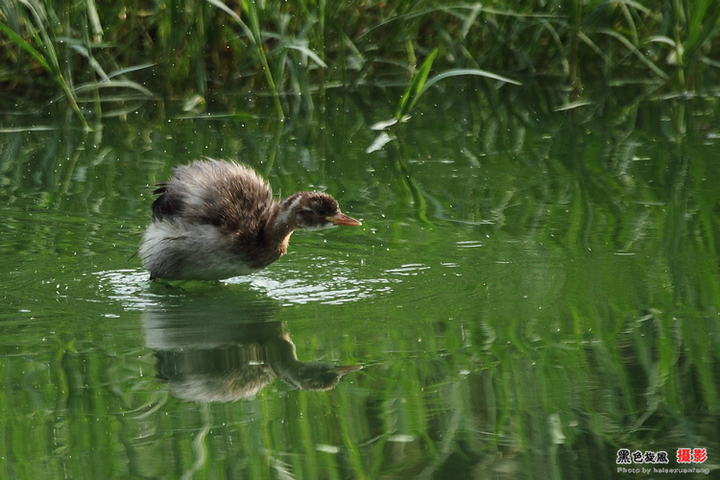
(45, 55)
(253, 33)
(37, 33)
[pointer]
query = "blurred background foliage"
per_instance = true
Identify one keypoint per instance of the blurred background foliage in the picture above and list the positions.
(107, 56)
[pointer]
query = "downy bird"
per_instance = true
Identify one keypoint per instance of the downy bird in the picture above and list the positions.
(214, 220)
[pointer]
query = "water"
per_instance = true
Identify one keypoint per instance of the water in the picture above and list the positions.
(527, 295)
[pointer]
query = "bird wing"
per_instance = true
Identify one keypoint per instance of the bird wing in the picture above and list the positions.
(224, 194)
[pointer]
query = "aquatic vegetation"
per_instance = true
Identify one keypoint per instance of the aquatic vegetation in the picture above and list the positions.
(288, 50)
(73, 63)
(584, 320)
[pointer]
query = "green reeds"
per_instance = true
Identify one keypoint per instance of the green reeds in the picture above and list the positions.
(35, 21)
(254, 35)
(32, 29)
(294, 48)
(695, 24)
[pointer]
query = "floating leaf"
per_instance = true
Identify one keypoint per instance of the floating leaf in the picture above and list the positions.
(383, 139)
(384, 124)
(389, 123)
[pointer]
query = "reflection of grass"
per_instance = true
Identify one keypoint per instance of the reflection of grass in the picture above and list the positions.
(621, 354)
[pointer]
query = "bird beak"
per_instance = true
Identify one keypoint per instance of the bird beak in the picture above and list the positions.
(347, 369)
(341, 219)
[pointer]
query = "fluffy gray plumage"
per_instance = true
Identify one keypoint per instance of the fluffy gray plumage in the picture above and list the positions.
(216, 220)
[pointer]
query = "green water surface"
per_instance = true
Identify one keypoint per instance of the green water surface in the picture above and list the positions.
(528, 294)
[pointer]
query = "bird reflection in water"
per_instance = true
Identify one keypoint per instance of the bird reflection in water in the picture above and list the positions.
(257, 354)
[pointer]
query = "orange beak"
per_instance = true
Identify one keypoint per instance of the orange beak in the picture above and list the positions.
(348, 369)
(341, 219)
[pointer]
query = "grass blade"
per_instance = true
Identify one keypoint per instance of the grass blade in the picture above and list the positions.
(123, 71)
(466, 71)
(53, 69)
(233, 15)
(634, 50)
(309, 53)
(415, 89)
(20, 42)
(113, 84)
(253, 33)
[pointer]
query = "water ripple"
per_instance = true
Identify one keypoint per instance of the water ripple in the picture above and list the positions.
(469, 244)
(408, 269)
(297, 287)
(332, 284)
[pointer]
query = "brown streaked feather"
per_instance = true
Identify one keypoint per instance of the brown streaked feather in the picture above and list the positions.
(224, 194)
